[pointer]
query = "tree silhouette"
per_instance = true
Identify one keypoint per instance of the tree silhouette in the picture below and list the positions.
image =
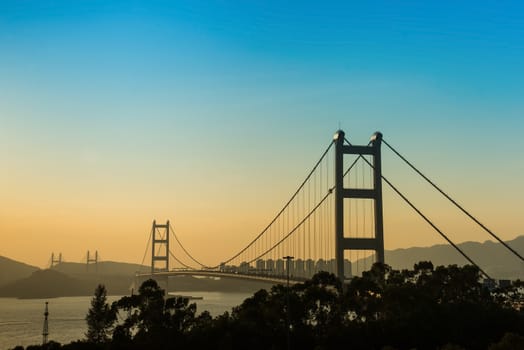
(100, 317)
(430, 308)
(510, 341)
(153, 320)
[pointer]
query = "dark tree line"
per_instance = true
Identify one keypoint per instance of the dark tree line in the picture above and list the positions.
(423, 308)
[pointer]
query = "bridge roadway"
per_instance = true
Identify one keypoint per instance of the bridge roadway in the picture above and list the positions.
(222, 274)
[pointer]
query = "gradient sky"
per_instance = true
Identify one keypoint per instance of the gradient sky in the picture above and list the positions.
(210, 114)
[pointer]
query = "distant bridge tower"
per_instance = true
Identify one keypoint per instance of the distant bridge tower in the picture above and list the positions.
(56, 261)
(342, 242)
(90, 261)
(160, 247)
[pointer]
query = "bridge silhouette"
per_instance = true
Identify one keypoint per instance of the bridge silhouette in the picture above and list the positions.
(331, 220)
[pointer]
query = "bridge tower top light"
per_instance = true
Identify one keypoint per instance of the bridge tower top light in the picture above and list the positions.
(339, 135)
(377, 136)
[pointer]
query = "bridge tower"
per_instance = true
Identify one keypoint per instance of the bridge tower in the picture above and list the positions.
(160, 247)
(342, 242)
(56, 261)
(90, 260)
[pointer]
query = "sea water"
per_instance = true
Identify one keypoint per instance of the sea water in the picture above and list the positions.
(22, 320)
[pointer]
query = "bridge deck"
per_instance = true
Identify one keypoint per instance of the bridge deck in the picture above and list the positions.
(251, 277)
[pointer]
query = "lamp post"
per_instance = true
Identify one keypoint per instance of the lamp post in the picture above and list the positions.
(288, 260)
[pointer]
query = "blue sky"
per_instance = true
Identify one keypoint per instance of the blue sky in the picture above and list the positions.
(100, 99)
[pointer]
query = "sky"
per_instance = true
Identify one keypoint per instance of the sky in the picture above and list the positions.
(211, 113)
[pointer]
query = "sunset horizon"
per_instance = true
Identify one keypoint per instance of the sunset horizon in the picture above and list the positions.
(211, 115)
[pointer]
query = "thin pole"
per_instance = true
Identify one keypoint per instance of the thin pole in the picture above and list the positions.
(45, 331)
(288, 323)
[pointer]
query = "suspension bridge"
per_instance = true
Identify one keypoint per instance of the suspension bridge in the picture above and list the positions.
(88, 259)
(332, 219)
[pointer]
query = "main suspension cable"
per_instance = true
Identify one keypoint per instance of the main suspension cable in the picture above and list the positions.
(281, 211)
(297, 226)
(454, 202)
(430, 222)
(147, 248)
(184, 249)
(329, 192)
(180, 262)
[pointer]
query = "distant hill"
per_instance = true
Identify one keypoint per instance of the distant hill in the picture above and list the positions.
(21, 280)
(46, 284)
(101, 268)
(117, 277)
(11, 270)
(67, 279)
(492, 257)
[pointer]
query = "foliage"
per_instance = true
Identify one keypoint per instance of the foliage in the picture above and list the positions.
(510, 341)
(428, 307)
(150, 318)
(100, 317)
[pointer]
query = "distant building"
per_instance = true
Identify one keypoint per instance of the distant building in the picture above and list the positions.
(261, 266)
(244, 267)
(279, 268)
(320, 265)
(347, 269)
(331, 266)
(299, 268)
(309, 268)
(270, 266)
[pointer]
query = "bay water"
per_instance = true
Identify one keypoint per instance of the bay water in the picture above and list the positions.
(22, 320)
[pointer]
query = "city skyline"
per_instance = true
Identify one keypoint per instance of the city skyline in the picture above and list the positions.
(210, 115)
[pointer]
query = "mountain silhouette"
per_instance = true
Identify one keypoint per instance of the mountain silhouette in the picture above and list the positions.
(492, 257)
(11, 270)
(70, 279)
(46, 284)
